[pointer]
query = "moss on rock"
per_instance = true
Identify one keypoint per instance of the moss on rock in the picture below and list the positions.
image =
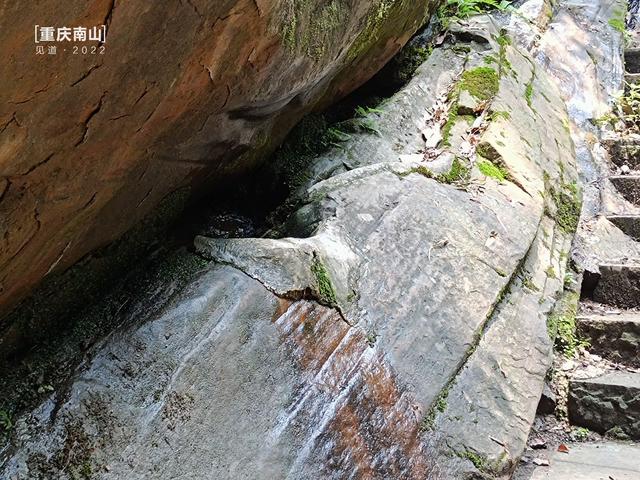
(481, 82)
(326, 292)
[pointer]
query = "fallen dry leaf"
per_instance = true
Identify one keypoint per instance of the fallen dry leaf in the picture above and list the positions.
(563, 448)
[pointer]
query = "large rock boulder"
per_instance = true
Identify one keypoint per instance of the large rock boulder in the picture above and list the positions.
(185, 91)
(400, 333)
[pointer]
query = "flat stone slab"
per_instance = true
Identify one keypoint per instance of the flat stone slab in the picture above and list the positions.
(629, 224)
(585, 461)
(628, 186)
(615, 337)
(619, 286)
(607, 403)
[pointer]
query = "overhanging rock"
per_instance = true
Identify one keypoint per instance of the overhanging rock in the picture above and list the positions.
(186, 93)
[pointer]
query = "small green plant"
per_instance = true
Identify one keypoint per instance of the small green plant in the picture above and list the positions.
(527, 282)
(618, 24)
(439, 405)
(568, 278)
(626, 110)
(335, 136)
(368, 125)
(488, 169)
(580, 434)
(5, 421)
(364, 111)
(561, 325)
(550, 272)
(467, 8)
(424, 171)
(499, 114)
(451, 121)
(528, 93)
(458, 174)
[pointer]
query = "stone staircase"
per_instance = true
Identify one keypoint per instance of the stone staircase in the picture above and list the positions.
(609, 403)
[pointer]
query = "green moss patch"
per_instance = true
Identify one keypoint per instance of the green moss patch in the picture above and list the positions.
(408, 61)
(326, 291)
(479, 461)
(439, 406)
(568, 207)
(451, 121)
(459, 173)
(617, 24)
(481, 82)
(561, 325)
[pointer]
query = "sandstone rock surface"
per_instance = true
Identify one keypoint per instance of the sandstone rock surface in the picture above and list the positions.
(186, 92)
(400, 334)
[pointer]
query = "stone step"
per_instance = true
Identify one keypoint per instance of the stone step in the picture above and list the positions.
(629, 224)
(592, 461)
(632, 60)
(609, 403)
(615, 337)
(628, 186)
(624, 152)
(618, 286)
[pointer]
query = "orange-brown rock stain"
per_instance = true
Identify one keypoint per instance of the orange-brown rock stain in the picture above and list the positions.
(374, 427)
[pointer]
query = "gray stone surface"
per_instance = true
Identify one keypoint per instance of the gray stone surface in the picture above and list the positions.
(603, 242)
(606, 402)
(491, 405)
(628, 186)
(600, 461)
(629, 224)
(615, 336)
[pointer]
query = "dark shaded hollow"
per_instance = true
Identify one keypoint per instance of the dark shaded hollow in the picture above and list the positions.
(632, 60)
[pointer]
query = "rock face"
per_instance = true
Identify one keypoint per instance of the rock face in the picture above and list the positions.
(185, 92)
(400, 334)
